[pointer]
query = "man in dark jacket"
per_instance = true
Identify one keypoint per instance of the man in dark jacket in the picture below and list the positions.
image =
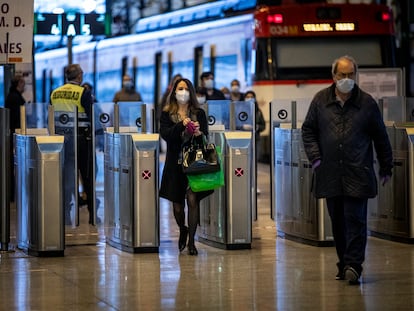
(207, 81)
(341, 127)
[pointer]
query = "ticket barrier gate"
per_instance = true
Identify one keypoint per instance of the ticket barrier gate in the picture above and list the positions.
(299, 215)
(390, 214)
(4, 179)
(131, 165)
(39, 193)
(226, 215)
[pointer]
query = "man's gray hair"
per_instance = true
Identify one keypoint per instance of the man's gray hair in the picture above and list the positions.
(347, 57)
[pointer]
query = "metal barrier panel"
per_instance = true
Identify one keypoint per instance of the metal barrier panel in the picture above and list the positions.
(21, 166)
(239, 177)
(47, 229)
(126, 179)
(213, 207)
(39, 190)
(226, 215)
(146, 199)
(131, 194)
(103, 119)
(111, 185)
(66, 125)
(390, 214)
(243, 115)
(299, 215)
(282, 190)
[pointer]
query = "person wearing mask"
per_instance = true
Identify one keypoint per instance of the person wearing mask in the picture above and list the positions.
(128, 92)
(250, 96)
(181, 120)
(341, 127)
(235, 94)
(64, 98)
(14, 101)
(165, 95)
(207, 81)
(226, 92)
(201, 94)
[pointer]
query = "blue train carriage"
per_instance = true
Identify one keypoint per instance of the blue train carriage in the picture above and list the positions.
(224, 45)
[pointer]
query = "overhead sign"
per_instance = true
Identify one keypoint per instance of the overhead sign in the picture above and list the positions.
(16, 31)
(70, 24)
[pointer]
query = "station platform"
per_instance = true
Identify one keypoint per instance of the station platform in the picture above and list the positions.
(275, 274)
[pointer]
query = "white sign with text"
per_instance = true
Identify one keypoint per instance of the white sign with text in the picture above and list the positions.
(16, 31)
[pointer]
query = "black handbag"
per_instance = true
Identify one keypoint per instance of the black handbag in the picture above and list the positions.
(200, 158)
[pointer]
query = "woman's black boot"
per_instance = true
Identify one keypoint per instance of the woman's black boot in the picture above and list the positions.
(192, 250)
(182, 241)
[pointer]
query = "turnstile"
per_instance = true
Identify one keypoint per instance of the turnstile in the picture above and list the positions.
(390, 214)
(131, 165)
(39, 194)
(299, 215)
(226, 215)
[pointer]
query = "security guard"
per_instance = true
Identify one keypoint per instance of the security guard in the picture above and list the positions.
(64, 98)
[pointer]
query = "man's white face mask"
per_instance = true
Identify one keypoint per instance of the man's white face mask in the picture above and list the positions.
(345, 85)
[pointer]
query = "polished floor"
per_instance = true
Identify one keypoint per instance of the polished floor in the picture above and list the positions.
(276, 274)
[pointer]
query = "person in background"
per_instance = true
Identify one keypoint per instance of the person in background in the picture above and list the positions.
(165, 96)
(207, 81)
(235, 94)
(128, 92)
(341, 127)
(89, 87)
(99, 129)
(201, 94)
(226, 92)
(181, 120)
(64, 98)
(250, 96)
(99, 145)
(14, 101)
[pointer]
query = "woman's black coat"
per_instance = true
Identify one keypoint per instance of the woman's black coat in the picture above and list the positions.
(174, 182)
(343, 138)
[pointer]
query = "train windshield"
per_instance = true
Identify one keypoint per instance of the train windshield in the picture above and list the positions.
(306, 58)
(299, 42)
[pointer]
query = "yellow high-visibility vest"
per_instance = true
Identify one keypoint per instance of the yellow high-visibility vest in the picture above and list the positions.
(63, 98)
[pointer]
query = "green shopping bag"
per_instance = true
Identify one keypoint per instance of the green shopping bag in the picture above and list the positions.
(207, 181)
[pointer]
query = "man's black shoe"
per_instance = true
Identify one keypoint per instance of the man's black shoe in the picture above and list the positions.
(341, 272)
(351, 275)
(340, 275)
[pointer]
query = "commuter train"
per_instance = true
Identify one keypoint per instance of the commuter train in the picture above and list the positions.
(281, 51)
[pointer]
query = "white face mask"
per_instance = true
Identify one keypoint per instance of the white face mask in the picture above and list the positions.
(201, 100)
(345, 85)
(209, 83)
(235, 89)
(182, 96)
(128, 84)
